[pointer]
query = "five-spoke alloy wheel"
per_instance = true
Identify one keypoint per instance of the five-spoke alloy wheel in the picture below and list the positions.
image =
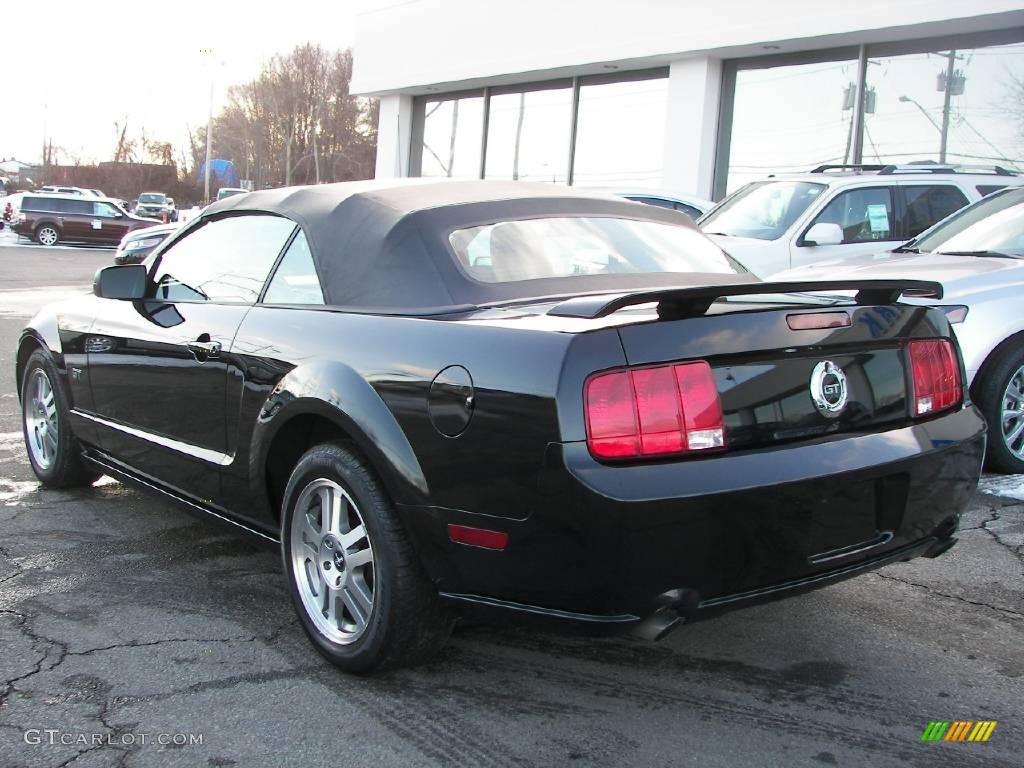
(357, 584)
(332, 559)
(53, 451)
(41, 427)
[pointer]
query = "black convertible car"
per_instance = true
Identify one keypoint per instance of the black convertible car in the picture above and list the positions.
(441, 397)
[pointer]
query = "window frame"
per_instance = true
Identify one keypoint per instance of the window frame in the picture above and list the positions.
(166, 247)
(261, 301)
(901, 207)
(801, 241)
(573, 83)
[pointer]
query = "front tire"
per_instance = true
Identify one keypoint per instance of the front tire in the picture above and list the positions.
(53, 451)
(1000, 397)
(356, 582)
(47, 235)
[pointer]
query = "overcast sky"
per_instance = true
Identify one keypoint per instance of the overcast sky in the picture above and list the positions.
(73, 69)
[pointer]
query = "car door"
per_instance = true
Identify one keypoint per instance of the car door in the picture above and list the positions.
(73, 218)
(866, 216)
(108, 224)
(922, 205)
(159, 368)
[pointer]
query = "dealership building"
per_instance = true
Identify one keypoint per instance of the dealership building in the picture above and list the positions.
(690, 97)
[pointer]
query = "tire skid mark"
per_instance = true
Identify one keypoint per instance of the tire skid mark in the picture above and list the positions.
(429, 725)
(712, 707)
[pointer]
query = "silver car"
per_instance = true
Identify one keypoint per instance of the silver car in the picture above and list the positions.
(977, 254)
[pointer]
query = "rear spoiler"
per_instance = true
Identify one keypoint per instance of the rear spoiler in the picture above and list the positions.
(690, 302)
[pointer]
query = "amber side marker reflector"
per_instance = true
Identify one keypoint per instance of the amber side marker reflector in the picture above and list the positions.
(477, 537)
(818, 320)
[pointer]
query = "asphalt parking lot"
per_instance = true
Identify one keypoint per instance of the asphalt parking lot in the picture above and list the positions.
(124, 619)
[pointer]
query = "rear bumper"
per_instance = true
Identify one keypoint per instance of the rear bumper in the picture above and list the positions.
(612, 545)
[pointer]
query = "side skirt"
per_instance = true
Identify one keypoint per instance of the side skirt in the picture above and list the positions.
(110, 467)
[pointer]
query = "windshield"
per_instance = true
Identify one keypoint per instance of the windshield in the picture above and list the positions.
(993, 224)
(762, 210)
(576, 246)
(151, 197)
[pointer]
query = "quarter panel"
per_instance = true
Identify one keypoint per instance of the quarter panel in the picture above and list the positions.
(373, 374)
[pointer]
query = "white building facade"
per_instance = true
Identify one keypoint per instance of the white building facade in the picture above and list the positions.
(693, 97)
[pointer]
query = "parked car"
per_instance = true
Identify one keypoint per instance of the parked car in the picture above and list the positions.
(978, 256)
(694, 207)
(841, 211)
(225, 192)
(505, 396)
(139, 243)
(53, 218)
(156, 205)
(65, 190)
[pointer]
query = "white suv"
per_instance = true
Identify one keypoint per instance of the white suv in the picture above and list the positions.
(838, 211)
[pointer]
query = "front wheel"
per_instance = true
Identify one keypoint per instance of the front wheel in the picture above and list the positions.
(47, 235)
(53, 451)
(1000, 396)
(357, 584)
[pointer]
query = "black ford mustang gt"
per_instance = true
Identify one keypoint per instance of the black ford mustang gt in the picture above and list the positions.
(445, 396)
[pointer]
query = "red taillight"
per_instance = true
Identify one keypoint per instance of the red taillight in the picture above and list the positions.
(653, 411)
(936, 376)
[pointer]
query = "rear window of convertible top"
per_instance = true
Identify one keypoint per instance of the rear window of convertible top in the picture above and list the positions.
(531, 249)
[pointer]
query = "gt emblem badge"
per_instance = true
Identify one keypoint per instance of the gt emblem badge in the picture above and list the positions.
(828, 388)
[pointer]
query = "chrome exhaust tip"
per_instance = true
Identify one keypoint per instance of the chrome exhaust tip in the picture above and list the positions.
(658, 624)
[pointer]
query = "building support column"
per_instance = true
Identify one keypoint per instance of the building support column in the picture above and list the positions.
(691, 126)
(394, 134)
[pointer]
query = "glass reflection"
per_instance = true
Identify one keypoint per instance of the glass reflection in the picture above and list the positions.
(620, 134)
(910, 119)
(528, 136)
(789, 119)
(452, 135)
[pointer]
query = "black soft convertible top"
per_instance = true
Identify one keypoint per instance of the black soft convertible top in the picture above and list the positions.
(382, 246)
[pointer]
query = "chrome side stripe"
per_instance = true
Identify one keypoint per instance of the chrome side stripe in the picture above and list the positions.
(203, 454)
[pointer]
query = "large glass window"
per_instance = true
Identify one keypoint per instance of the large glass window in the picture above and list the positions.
(620, 134)
(909, 119)
(864, 214)
(927, 205)
(224, 260)
(566, 247)
(452, 135)
(528, 135)
(790, 119)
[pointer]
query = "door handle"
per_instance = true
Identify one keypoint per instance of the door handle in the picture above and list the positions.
(204, 348)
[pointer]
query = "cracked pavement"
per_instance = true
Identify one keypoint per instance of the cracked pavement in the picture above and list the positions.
(122, 615)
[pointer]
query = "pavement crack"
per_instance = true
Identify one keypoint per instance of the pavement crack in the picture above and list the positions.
(137, 644)
(1016, 615)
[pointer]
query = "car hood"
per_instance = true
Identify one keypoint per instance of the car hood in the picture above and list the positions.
(961, 276)
(762, 257)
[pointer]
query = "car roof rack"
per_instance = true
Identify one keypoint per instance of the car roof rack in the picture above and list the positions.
(847, 166)
(919, 166)
(994, 170)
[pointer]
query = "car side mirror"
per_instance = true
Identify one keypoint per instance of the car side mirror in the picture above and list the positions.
(125, 282)
(824, 234)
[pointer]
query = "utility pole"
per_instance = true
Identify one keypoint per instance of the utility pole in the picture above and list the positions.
(946, 96)
(209, 135)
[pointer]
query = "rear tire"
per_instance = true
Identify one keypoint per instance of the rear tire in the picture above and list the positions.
(358, 586)
(53, 451)
(1000, 397)
(47, 235)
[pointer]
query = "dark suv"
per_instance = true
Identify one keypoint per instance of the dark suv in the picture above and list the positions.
(50, 219)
